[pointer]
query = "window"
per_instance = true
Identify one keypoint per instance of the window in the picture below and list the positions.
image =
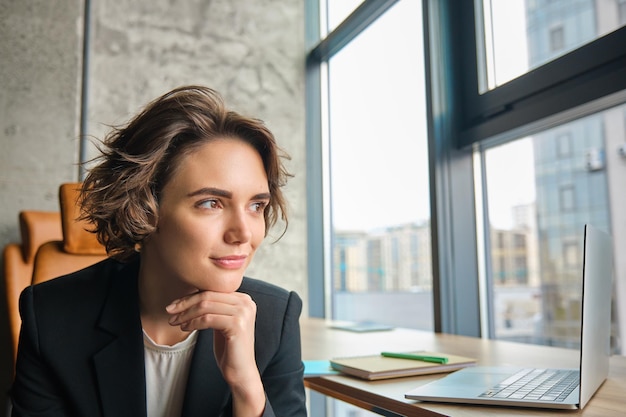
(566, 200)
(521, 269)
(520, 151)
(373, 147)
(564, 146)
(379, 173)
(568, 154)
(515, 37)
(507, 89)
(560, 197)
(557, 39)
(571, 255)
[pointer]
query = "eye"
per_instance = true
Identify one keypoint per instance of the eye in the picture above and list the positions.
(259, 206)
(209, 204)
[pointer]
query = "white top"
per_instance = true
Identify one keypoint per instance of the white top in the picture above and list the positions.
(167, 369)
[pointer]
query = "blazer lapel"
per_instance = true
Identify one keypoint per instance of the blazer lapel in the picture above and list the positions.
(120, 364)
(207, 393)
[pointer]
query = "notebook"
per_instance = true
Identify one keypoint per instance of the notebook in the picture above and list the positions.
(486, 385)
(375, 367)
(362, 327)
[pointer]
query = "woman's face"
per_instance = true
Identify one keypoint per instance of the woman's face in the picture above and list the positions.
(211, 217)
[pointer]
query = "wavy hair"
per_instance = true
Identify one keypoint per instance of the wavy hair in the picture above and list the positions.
(120, 195)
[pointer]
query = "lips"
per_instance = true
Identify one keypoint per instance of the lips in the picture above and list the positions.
(231, 262)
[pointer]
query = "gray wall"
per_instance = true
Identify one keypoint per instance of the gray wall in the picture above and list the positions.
(252, 51)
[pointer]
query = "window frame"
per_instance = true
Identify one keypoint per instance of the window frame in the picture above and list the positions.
(588, 73)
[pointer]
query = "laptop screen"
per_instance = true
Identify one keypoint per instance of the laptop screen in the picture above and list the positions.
(596, 312)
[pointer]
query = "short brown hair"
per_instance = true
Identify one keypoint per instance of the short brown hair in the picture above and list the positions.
(120, 195)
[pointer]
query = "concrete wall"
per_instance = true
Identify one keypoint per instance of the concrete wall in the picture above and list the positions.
(40, 44)
(252, 51)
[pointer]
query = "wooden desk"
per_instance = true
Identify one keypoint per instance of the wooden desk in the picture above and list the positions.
(320, 342)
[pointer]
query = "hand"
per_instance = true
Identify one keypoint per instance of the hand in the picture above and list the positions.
(232, 316)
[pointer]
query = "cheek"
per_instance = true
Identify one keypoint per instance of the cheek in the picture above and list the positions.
(182, 231)
(200, 235)
(258, 234)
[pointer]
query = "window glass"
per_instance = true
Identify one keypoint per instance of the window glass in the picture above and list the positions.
(379, 174)
(338, 10)
(539, 198)
(520, 35)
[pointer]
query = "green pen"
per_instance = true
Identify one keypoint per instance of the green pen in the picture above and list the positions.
(417, 357)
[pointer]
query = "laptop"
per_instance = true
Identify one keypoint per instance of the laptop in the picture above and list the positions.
(501, 385)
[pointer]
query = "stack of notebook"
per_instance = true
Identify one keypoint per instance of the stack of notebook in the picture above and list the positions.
(393, 365)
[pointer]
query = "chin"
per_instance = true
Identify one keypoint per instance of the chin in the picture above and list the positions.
(226, 284)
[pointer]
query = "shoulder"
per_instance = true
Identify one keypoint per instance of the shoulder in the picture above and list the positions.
(277, 327)
(78, 291)
(272, 301)
(266, 293)
(261, 288)
(87, 279)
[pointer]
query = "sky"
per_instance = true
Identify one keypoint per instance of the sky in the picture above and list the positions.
(379, 160)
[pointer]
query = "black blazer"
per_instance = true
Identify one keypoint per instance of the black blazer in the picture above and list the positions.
(81, 350)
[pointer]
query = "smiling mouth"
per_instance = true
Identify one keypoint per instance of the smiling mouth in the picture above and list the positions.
(230, 262)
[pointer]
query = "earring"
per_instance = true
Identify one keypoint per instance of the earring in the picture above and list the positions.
(137, 247)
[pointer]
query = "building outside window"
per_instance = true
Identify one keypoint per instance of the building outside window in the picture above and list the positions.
(564, 177)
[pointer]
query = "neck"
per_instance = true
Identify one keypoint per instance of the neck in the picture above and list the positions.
(156, 291)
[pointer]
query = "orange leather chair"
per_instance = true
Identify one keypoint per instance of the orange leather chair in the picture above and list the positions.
(79, 247)
(36, 228)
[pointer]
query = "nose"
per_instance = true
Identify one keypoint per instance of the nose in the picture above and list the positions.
(238, 230)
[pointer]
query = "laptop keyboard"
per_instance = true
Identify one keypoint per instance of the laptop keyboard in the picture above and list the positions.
(536, 384)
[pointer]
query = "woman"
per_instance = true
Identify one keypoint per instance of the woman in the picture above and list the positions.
(181, 197)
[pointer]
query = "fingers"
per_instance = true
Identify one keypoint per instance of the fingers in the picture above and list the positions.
(221, 311)
(232, 316)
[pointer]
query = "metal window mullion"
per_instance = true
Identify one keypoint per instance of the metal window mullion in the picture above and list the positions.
(350, 28)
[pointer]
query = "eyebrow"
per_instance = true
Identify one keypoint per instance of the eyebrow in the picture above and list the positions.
(226, 194)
